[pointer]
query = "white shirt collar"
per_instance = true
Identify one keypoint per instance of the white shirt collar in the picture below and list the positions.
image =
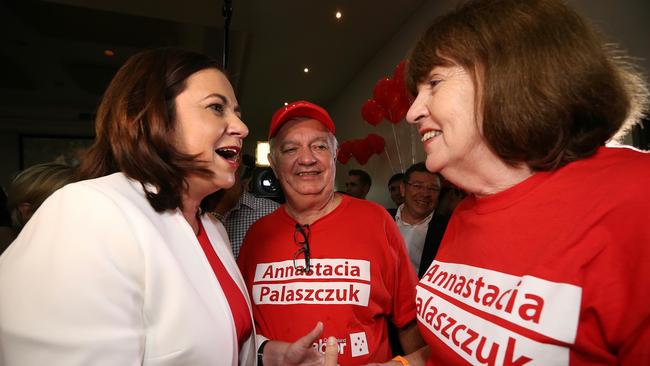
(398, 217)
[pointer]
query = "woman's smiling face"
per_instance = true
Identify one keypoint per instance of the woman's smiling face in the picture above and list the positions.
(208, 124)
(444, 111)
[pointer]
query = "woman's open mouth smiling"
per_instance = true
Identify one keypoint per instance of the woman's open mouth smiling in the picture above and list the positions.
(230, 153)
(431, 134)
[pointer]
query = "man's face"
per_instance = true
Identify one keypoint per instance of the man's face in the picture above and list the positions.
(421, 194)
(303, 159)
(355, 188)
(395, 190)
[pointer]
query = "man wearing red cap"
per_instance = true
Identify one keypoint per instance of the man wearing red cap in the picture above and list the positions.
(324, 256)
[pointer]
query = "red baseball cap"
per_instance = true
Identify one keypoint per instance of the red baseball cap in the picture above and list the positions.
(300, 108)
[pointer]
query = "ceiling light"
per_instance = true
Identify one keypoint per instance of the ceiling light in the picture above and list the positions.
(338, 15)
(306, 69)
(285, 103)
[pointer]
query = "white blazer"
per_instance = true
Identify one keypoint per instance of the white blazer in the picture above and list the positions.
(97, 277)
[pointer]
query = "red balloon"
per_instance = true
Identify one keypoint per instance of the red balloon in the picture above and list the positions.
(355, 148)
(372, 112)
(385, 92)
(397, 111)
(345, 146)
(360, 151)
(345, 153)
(399, 77)
(376, 143)
(363, 157)
(400, 72)
(343, 158)
(402, 91)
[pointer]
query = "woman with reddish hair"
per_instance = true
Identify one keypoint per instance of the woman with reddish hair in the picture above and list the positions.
(546, 262)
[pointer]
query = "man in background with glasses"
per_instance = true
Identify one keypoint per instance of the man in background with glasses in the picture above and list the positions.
(415, 218)
(325, 256)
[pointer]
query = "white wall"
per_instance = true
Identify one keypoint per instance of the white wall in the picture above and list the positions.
(624, 22)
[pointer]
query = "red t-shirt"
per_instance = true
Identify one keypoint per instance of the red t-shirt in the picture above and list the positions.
(553, 271)
(236, 299)
(361, 275)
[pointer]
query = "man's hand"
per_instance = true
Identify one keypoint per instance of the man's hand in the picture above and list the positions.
(301, 352)
(331, 352)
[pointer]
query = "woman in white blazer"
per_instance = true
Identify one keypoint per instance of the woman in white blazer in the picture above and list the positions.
(122, 268)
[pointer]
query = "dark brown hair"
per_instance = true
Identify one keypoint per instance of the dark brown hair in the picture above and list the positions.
(135, 126)
(549, 90)
(364, 177)
(422, 168)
